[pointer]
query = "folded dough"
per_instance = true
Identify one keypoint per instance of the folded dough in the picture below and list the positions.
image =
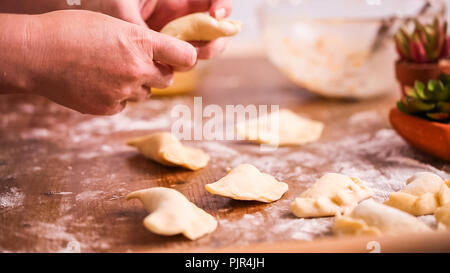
(292, 129)
(423, 194)
(333, 193)
(372, 218)
(171, 213)
(166, 149)
(442, 215)
(246, 182)
(201, 27)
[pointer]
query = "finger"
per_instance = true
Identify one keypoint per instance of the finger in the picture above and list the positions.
(131, 12)
(166, 11)
(117, 108)
(208, 50)
(159, 76)
(220, 8)
(141, 93)
(135, 20)
(171, 51)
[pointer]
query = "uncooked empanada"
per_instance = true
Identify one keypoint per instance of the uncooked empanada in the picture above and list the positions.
(171, 213)
(292, 129)
(166, 149)
(372, 218)
(201, 27)
(442, 215)
(332, 194)
(423, 194)
(246, 182)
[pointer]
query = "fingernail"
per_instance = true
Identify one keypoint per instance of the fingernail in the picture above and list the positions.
(220, 13)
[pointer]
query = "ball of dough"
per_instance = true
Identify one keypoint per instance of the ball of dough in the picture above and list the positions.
(201, 27)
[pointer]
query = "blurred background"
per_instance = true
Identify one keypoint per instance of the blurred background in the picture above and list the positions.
(247, 11)
(337, 49)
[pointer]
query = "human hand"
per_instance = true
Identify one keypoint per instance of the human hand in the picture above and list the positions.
(94, 63)
(157, 13)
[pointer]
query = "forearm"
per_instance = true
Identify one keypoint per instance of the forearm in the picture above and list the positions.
(37, 6)
(17, 54)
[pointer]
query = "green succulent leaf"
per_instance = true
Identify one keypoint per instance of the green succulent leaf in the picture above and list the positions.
(430, 101)
(438, 116)
(433, 85)
(413, 105)
(401, 106)
(435, 91)
(443, 94)
(430, 45)
(444, 78)
(425, 43)
(444, 107)
(402, 42)
(419, 87)
(410, 92)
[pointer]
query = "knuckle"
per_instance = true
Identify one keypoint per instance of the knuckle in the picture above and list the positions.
(135, 70)
(113, 109)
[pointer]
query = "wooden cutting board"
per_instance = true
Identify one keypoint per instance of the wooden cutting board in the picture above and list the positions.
(63, 176)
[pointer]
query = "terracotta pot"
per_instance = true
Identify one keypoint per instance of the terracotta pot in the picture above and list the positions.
(430, 137)
(407, 73)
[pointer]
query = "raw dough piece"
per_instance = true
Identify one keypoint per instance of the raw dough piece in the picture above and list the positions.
(171, 213)
(246, 182)
(333, 193)
(166, 149)
(372, 218)
(292, 129)
(442, 215)
(423, 194)
(201, 27)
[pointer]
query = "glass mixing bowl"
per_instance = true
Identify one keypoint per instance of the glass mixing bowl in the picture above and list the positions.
(341, 49)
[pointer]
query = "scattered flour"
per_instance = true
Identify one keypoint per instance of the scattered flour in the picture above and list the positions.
(131, 119)
(219, 150)
(88, 195)
(12, 198)
(364, 118)
(381, 159)
(35, 133)
(60, 237)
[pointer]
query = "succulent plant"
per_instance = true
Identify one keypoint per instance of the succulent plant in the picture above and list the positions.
(430, 101)
(426, 43)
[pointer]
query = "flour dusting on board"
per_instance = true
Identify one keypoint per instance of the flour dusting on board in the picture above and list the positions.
(382, 160)
(83, 186)
(88, 195)
(12, 198)
(131, 119)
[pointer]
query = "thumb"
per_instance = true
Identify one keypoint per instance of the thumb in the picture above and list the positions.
(173, 52)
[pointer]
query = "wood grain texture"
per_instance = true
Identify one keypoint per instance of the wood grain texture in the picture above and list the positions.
(63, 175)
